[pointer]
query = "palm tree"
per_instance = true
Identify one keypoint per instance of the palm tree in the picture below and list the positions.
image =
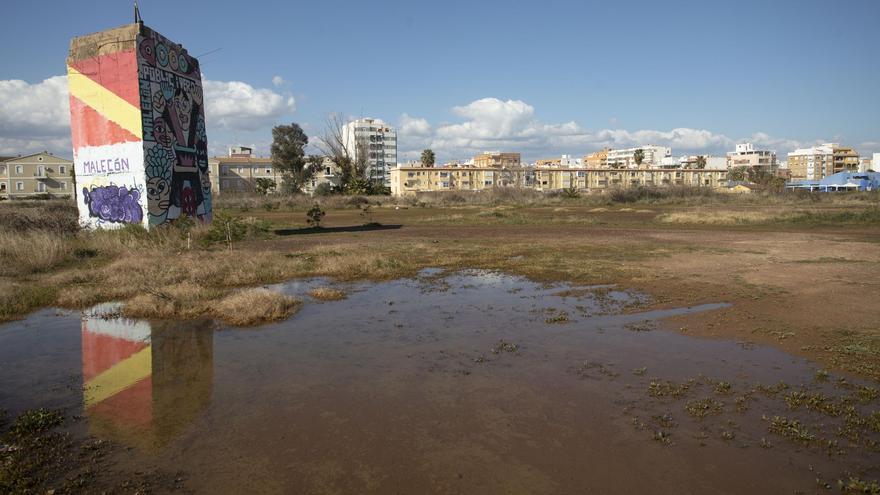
(701, 161)
(427, 158)
(639, 156)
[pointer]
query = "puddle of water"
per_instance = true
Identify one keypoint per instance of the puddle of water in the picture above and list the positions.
(472, 382)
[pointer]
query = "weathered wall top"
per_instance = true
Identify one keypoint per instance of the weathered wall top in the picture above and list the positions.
(120, 39)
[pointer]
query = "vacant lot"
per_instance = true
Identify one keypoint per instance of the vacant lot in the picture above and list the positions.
(802, 273)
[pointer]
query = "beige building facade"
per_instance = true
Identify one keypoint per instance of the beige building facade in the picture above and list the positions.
(239, 174)
(821, 161)
(36, 175)
(597, 159)
(498, 159)
(408, 181)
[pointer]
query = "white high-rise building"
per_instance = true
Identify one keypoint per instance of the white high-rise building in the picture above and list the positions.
(378, 140)
(652, 157)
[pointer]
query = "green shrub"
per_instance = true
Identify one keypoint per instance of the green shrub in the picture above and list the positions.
(315, 215)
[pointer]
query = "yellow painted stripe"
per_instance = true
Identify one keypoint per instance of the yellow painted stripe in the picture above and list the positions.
(104, 101)
(120, 377)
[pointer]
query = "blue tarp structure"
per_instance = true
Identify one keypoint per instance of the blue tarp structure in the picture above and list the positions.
(841, 181)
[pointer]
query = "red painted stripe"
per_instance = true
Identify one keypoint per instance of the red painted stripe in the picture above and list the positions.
(100, 352)
(118, 72)
(89, 128)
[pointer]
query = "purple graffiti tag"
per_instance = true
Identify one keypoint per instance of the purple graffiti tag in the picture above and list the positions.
(117, 204)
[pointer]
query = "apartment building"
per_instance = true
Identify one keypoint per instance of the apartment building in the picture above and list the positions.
(238, 173)
(378, 140)
(565, 161)
(822, 161)
(597, 159)
(36, 175)
(625, 158)
(497, 159)
(407, 181)
(746, 156)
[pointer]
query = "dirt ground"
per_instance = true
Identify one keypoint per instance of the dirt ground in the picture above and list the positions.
(808, 289)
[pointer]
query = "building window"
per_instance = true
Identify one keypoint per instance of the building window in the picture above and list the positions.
(41, 187)
(2, 169)
(2, 187)
(41, 171)
(19, 186)
(19, 169)
(62, 169)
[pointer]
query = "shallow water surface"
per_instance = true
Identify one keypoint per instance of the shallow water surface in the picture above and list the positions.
(474, 382)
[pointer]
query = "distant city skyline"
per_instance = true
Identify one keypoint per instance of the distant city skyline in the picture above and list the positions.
(461, 78)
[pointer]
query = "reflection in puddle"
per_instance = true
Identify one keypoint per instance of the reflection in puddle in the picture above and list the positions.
(462, 383)
(144, 382)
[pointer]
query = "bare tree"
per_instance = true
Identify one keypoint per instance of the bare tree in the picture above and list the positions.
(351, 163)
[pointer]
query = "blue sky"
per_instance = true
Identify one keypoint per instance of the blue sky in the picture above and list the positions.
(542, 78)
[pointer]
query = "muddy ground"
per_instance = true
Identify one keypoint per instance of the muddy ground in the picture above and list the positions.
(809, 289)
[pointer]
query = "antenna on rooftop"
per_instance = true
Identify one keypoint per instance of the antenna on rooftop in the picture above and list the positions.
(137, 13)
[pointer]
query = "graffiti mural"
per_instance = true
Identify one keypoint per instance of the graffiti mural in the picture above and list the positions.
(175, 140)
(114, 204)
(138, 129)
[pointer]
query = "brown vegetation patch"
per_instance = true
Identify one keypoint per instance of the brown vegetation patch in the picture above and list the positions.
(327, 294)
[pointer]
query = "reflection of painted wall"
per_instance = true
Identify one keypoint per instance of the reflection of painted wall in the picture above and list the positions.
(144, 383)
(138, 129)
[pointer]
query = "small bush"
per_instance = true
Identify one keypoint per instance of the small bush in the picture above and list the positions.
(324, 189)
(315, 215)
(36, 421)
(228, 228)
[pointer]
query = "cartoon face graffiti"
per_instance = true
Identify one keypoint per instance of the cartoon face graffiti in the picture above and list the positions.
(183, 107)
(162, 133)
(158, 194)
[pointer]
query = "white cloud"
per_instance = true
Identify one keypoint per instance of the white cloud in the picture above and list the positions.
(410, 126)
(237, 105)
(34, 117)
(494, 124)
(278, 81)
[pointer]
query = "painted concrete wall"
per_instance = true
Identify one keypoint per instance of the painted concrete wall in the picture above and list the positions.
(175, 140)
(138, 129)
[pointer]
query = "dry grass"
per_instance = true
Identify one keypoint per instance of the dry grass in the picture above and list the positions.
(833, 216)
(187, 301)
(33, 252)
(255, 306)
(327, 294)
(725, 217)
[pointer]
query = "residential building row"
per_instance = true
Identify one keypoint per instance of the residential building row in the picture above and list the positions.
(408, 181)
(36, 175)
